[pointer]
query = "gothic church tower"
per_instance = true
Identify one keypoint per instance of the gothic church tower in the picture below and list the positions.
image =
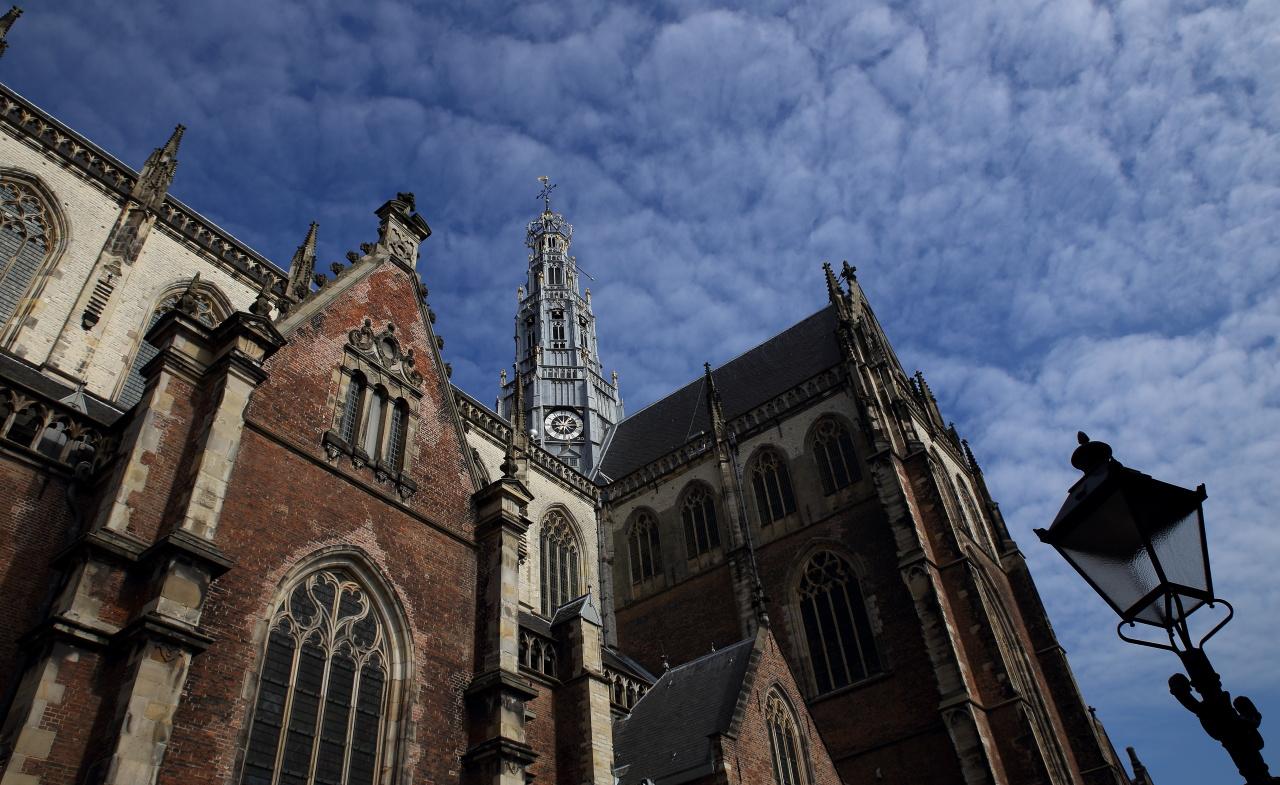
(567, 404)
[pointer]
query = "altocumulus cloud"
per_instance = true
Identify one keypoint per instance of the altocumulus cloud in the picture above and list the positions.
(1063, 210)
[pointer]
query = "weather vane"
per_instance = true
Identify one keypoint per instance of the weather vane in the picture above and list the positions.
(545, 193)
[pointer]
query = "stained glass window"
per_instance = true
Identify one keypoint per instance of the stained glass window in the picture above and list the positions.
(560, 550)
(26, 242)
(700, 531)
(772, 483)
(836, 627)
(322, 694)
(833, 450)
(784, 741)
(646, 550)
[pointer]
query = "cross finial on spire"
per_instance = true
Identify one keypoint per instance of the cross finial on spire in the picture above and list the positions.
(545, 193)
(6, 22)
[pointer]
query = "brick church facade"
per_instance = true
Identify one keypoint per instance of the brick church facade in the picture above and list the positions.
(251, 534)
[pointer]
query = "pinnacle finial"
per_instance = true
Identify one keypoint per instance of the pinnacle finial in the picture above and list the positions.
(303, 265)
(170, 148)
(6, 22)
(157, 173)
(849, 273)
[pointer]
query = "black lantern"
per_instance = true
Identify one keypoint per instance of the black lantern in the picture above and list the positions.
(1140, 543)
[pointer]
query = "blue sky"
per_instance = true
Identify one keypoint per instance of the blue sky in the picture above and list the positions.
(1063, 211)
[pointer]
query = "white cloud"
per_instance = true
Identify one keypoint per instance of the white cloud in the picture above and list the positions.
(1065, 210)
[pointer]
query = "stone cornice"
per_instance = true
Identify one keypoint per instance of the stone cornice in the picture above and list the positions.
(54, 138)
(476, 415)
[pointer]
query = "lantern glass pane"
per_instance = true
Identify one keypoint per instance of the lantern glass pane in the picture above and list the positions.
(1108, 550)
(1179, 549)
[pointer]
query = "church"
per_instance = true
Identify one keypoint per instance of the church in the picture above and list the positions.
(251, 534)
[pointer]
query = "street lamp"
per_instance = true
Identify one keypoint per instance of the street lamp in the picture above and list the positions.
(1140, 543)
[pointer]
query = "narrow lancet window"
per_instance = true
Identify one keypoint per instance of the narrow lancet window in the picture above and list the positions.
(645, 548)
(559, 546)
(833, 450)
(700, 531)
(772, 483)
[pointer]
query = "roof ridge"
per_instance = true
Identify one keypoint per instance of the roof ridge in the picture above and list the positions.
(732, 359)
(708, 655)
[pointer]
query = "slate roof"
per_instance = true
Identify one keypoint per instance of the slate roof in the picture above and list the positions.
(667, 737)
(21, 373)
(796, 354)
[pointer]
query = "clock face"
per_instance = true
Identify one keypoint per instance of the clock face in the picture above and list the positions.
(564, 425)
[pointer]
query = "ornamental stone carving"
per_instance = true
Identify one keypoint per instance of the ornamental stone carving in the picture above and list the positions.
(383, 349)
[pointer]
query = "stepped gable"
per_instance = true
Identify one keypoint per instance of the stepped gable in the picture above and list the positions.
(745, 382)
(669, 734)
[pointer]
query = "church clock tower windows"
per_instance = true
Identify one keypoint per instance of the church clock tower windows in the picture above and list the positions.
(569, 403)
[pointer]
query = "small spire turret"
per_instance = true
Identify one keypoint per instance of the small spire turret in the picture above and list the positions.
(157, 173)
(715, 407)
(303, 265)
(6, 22)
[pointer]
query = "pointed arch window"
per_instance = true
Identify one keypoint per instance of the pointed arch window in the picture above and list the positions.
(321, 713)
(785, 751)
(645, 548)
(837, 630)
(833, 450)
(27, 241)
(701, 534)
(560, 569)
(772, 484)
(208, 311)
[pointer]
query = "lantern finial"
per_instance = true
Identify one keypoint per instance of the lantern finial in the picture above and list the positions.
(1089, 455)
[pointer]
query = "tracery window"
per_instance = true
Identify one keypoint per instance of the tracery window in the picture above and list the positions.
(559, 550)
(558, 328)
(701, 534)
(833, 450)
(784, 741)
(836, 627)
(320, 715)
(645, 548)
(208, 312)
(26, 242)
(772, 483)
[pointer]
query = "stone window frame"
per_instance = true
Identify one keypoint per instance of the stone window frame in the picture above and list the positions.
(395, 731)
(690, 527)
(825, 444)
(971, 512)
(59, 227)
(390, 392)
(639, 542)
(783, 485)
(788, 748)
(870, 651)
(1020, 670)
(568, 538)
(216, 302)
